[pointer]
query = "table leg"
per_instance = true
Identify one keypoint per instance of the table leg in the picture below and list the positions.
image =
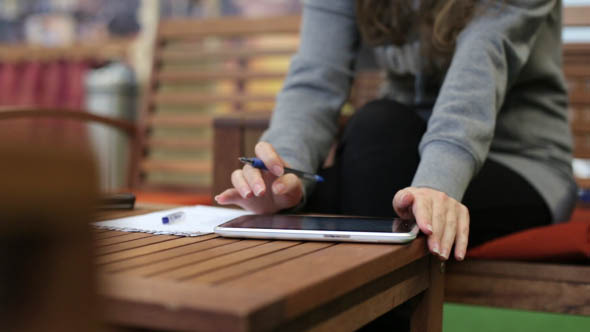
(427, 317)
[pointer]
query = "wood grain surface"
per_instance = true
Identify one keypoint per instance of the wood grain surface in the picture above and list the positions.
(209, 283)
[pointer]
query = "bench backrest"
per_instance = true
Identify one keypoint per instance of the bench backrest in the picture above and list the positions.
(204, 68)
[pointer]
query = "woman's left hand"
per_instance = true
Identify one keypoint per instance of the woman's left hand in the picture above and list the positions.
(443, 219)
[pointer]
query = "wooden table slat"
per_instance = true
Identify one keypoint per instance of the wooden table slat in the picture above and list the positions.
(177, 262)
(163, 304)
(226, 260)
(164, 255)
(133, 244)
(107, 234)
(230, 272)
(121, 238)
(326, 274)
(359, 307)
(121, 255)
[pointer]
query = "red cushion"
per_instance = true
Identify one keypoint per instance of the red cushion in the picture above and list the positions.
(172, 198)
(566, 241)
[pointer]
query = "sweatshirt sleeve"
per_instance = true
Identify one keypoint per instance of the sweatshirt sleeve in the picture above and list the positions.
(304, 122)
(489, 55)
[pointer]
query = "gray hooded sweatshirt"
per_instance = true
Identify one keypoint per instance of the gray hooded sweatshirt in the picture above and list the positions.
(502, 97)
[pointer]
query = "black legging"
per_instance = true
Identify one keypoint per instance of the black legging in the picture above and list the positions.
(378, 155)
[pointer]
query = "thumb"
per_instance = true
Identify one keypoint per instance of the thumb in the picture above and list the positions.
(402, 204)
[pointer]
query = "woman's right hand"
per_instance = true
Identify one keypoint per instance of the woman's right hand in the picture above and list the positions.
(263, 191)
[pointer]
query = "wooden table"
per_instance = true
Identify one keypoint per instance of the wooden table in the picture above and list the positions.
(209, 283)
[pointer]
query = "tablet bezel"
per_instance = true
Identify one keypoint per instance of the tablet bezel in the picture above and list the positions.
(316, 235)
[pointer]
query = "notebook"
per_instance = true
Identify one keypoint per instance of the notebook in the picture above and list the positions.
(197, 220)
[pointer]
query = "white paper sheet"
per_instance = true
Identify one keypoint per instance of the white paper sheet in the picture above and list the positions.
(198, 220)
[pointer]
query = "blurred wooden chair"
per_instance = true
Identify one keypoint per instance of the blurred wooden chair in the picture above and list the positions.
(47, 200)
(15, 125)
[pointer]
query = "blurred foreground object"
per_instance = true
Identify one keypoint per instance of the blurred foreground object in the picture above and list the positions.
(46, 273)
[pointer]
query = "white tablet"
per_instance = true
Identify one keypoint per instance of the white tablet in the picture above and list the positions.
(320, 228)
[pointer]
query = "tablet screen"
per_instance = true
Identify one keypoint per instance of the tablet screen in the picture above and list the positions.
(317, 223)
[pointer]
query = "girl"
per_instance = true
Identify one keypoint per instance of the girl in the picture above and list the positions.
(470, 136)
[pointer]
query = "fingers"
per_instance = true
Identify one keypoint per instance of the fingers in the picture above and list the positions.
(229, 196)
(443, 219)
(462, 233)
(422, 211)
(438, 222)
(450, 230)
(270, 157)
(254, 180)
(239, 182)
(402, 204)
(232, 196)
(288, 191)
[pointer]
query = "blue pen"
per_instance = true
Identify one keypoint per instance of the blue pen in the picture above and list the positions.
(170, 218)
(257, 163)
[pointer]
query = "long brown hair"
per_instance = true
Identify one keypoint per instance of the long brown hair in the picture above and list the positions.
(390, 21)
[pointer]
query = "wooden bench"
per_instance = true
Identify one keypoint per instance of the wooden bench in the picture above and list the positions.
(542, 286)
(202, 69)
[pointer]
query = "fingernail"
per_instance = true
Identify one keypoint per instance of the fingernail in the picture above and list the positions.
(460, 257)
(246, 194)
(277, 170)
(278, 188)
(216, 198)
(444, 254)
(258, 189)
(429, 227)
(435, 249)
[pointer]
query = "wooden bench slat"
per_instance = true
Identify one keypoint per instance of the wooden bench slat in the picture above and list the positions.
(576, 70)
(196, 99)
(583, 183)
(177, 262)
(577, 97)
(118, 256)
(179, 143)
(576, 16)
(173, 166)
(226, 260)
(156, 257)
(179, 120)
(174, 55)
(133, 244)
(227, 27)
(178, 76)
(522, 270)
(516, 293)
(581, 127)
(230, 272)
